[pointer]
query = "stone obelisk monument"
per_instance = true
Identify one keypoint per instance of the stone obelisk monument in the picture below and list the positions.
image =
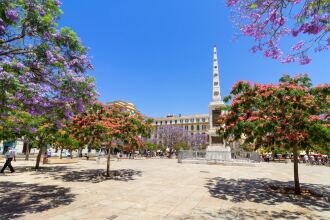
(217, 149)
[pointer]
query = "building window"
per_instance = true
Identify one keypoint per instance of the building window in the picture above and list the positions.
(176, 121)
(166, 122)
(161, 122)
(203, 119)
(186, 120)
(197, 119)
(156, 122)
(186, 127)
(171, 122)
(203, 127)
(197, 127)
(181, 121)
(192, 127)
(192, 120)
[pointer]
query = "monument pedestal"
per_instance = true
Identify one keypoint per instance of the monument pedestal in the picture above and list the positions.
(218, 153)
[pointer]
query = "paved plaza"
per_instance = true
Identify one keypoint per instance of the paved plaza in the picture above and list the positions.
(160, 189)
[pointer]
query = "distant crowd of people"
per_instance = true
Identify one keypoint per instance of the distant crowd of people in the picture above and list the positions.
(313, 159)
(167, 153)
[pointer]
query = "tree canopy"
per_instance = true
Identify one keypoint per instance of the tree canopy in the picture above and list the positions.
(306, 22)
(291, 115)
(42, 67)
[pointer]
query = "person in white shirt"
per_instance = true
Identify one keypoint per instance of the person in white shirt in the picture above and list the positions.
(306, 158)
(10, 155)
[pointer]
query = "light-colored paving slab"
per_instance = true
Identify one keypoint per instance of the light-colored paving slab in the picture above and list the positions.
(159, 189)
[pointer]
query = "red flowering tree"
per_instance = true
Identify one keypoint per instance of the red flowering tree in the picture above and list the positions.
(291, 115)
(105, 124)
(86, 128)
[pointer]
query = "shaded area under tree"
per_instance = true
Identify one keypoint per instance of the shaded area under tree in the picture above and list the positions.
(266, 191)
(97, 175)
(237, 213)
(18, 198)
(42, 170)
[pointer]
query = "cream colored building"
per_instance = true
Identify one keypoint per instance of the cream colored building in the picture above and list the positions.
(125, 106)
(191, 123)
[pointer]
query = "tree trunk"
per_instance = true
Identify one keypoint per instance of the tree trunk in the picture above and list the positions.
(108, 163)
(41, 149)
(80, 151)
(71, 154)
(61, 153)
(295, 169)
(27, 151)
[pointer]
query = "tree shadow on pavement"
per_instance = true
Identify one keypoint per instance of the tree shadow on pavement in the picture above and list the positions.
(262, 191)
(41, 170)
(237, 213)
(97, 176)
(18, 198)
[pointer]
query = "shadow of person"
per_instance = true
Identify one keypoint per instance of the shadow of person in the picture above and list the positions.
(18, 198)
(98, 175)
(262, 191)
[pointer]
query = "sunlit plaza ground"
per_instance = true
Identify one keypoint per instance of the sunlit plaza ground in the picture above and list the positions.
(160, 189)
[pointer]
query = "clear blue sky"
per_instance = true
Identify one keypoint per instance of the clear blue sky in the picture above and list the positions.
(158, 53)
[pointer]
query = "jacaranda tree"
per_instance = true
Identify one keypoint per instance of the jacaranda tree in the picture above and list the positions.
(291, 115)
(173, 137)
(42, 68)
(269, 21)
(198, 141)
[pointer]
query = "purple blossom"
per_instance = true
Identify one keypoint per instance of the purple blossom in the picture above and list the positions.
(298, 46)
(12, 15)
(58, 124)
(288, 59)
(47, 36)
(2, 29)
(20, 65)
(80, 106)
(305, 60)
(32, 130)
(267, 20)
(57, 2)
(90, 85)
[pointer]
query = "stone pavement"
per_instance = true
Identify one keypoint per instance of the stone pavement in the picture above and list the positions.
(160, 189)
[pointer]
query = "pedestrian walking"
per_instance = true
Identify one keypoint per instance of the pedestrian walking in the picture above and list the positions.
(10, 155)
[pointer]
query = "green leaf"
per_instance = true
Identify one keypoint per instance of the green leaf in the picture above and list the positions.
(253, 6)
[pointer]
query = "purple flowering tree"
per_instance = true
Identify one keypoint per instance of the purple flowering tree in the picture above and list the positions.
(176, 137)
(42, 68)
(305, 22)
(198, 141)
(172, 136)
